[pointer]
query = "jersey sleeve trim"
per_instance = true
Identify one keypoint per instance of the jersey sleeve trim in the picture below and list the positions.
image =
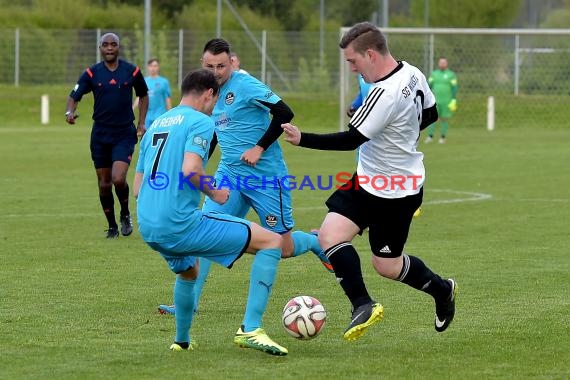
(363, 112)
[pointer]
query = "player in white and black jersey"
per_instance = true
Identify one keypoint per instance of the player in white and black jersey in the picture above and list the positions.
(387, 187)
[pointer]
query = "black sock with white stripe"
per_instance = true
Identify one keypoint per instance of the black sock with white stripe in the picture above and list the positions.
(417, 275)
(346, 264)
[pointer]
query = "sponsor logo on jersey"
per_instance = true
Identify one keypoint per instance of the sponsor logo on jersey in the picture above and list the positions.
(271, 220)
(222, 121)
(268, 94)
(230, 97)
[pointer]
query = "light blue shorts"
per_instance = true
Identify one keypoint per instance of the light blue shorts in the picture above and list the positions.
(218, 237)
(270, 201)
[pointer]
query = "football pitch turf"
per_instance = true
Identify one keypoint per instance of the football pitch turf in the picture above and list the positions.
(495, 218)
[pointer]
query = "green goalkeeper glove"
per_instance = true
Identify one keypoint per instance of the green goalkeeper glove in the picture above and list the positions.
(452, 105)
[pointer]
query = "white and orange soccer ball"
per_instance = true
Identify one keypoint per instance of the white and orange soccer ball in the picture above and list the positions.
(304, 317)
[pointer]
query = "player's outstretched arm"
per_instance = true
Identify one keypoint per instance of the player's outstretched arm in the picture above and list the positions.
(292, 133)
(193, 169)
(343, 141)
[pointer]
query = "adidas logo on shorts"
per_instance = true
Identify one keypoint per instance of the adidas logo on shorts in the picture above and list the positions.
(386, 249)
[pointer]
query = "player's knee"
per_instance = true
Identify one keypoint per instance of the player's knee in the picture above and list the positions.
(287, 246)
(327, 238)
(274, 240)
(269, 240)
(105, 186)
(119, 180)
(262, 238)
(389, 267)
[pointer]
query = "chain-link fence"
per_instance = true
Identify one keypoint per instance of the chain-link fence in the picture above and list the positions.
(525, 70)
(286, 60)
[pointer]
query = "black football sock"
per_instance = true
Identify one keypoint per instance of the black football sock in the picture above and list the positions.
(108, 204)
(346, 264)
(123, 196)
(417, 275)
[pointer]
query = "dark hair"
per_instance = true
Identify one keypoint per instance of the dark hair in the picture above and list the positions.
(217, 46)
(198, 81)
(152, 60)
(363, 36)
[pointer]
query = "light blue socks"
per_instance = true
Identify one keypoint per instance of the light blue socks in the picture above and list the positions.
(203, 270)
(262, 276)
(184, 303)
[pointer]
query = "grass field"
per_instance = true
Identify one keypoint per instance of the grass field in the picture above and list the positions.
(496, 217)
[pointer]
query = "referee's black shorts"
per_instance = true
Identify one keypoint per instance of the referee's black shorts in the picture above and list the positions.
(110, 144)
(387, 219)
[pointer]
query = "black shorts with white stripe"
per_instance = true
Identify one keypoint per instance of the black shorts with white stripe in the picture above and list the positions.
(387, 219)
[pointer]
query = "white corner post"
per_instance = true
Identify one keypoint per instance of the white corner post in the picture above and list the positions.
(491, 113)
(45, 109)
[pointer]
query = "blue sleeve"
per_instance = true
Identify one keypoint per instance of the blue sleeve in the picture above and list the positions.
(199, 137)
(258, 92)
(357, 102)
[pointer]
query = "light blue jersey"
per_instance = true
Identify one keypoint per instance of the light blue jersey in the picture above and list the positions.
(241, 119)
(158, 92)
(167, 206)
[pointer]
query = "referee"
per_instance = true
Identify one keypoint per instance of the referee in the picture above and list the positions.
(113, 136)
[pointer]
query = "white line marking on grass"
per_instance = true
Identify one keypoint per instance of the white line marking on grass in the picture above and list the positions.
(471, 197)
(474, 197)
(468, 196)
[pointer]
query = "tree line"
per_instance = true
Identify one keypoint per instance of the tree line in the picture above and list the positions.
(293, 15)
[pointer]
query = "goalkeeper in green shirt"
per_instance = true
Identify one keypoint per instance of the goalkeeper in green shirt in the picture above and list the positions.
(443, 83)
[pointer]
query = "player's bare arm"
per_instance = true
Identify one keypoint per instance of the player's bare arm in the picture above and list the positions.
(193, 165)
(143, 108)
(137, 184)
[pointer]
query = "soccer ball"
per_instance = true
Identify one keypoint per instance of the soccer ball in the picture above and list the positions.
(304, 317)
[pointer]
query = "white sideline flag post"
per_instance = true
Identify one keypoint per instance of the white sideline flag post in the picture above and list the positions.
(45, 109)
(491, 113)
